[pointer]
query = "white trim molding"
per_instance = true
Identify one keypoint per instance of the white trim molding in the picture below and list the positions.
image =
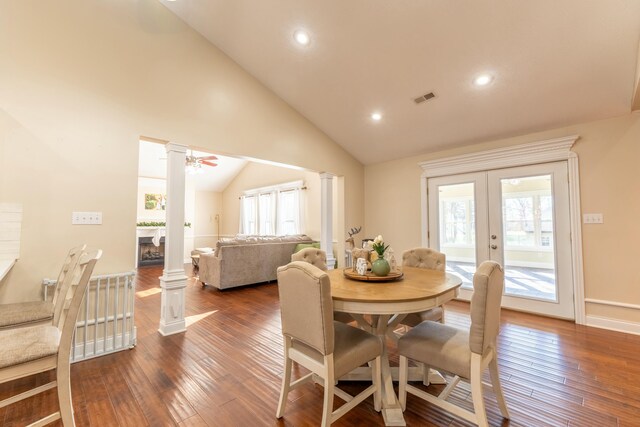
(550, 150)
(609, 323)
(613, 324)
(612, 303)
(532, 153)
(326, 217)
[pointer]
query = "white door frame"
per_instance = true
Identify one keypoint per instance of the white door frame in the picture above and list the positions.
(551, 150)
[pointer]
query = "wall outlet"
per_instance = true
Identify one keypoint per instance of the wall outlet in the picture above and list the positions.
(86, 218)
(592, 218)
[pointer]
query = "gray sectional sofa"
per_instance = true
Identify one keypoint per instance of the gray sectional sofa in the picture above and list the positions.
(245, 260)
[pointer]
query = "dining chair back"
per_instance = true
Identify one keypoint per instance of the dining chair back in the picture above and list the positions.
(488, 282)
(306, 306)
(313, 256)
(318, 258)
(31, 350)
(312, 339)
(424, 258)
(64, 279)
(23, 314)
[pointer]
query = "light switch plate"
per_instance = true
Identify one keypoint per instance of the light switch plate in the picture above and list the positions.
(593, 218)
(86, 218)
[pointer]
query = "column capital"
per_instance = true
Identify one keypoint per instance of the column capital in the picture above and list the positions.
(326, 175)
(172, 146)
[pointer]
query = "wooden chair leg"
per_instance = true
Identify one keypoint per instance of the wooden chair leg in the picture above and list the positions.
(476, 390)
(63, 374)
(497, 387)
(286, 379)
(327, 406)
(402, 382)
(376, 375)
(425, 374)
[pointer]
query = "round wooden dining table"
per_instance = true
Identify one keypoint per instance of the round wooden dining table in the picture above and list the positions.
(386, 304)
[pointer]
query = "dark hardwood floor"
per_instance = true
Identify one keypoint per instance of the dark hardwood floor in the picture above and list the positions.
(225, 371)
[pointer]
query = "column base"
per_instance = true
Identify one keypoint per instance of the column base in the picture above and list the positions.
(173, 284)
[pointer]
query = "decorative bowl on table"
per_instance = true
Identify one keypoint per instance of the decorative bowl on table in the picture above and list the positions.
(370, 277)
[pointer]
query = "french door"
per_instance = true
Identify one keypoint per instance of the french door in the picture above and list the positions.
(518, 217)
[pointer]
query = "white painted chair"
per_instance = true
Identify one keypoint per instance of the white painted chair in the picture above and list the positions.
(318, 258)
(33, 313)
(463, 353)
(34, 349)
(327, 348)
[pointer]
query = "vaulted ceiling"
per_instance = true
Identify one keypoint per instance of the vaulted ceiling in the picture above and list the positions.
(553, 63)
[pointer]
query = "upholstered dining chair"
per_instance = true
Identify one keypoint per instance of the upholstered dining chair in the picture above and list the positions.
(314, 340)
(429, 259)
(318, 258)
(32, 313)
(34, 349)
(463, 353)
(313, 256)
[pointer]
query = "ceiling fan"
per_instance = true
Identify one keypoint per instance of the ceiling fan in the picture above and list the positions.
(194, 163)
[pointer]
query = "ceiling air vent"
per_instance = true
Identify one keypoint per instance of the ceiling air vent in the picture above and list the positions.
(424, 98)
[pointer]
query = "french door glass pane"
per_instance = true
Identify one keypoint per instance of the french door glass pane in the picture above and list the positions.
(458, 229)
(527, 218)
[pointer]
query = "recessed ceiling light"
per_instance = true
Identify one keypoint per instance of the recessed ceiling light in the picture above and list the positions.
(301, 37)
(483, 80)
(376, 116)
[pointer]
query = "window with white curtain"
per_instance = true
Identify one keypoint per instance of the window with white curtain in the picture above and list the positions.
(276, 210)
(249, 214)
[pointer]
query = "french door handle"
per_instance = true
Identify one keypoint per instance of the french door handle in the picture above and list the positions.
(494, 237)
(494, 246)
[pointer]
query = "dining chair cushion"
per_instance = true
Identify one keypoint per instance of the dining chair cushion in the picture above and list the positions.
(313, 256)
(414, 319)
(298, 283)
(22, 313)
(353, 347)
(488, 283)
(438, 345)
(424, 258)
(24, 345)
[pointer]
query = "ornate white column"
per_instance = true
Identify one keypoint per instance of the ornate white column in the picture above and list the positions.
(173, 280)
(326, 221)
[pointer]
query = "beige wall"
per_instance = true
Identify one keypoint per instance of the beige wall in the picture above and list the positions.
(256, 175)
(609, 156)
(82, 80)
(208, 205)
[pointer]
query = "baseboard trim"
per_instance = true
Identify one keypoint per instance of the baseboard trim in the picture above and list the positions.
(613, 324)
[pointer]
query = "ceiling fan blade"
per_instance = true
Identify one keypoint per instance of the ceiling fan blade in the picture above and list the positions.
(204, 162)
(208, 158)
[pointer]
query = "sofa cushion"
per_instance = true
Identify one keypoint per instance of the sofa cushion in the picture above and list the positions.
(301, 246)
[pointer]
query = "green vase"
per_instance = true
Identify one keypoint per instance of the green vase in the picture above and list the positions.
(380, 267)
